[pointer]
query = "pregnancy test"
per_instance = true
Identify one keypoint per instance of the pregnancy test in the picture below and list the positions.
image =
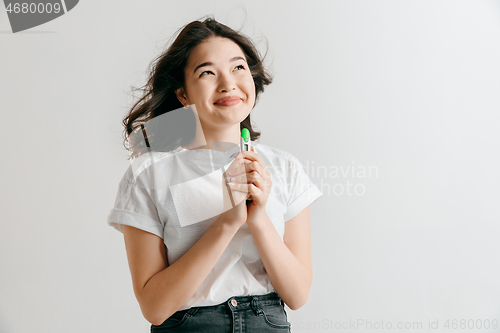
(246, 144)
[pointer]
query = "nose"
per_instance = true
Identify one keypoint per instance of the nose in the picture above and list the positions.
(226, 83)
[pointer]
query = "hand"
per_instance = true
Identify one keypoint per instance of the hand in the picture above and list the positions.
(235, 207)
(251, 176)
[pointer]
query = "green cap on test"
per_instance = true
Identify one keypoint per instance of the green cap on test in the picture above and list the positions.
(245, 134)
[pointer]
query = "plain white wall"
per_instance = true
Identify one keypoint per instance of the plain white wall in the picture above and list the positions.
(408, 90)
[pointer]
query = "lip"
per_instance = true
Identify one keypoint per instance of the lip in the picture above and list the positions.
(228, 100)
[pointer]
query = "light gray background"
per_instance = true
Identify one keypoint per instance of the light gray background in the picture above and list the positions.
(410, 88)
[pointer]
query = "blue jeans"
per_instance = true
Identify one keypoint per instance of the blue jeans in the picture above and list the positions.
(258, 313)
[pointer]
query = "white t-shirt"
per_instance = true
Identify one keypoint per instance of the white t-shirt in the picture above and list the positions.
(177, 195)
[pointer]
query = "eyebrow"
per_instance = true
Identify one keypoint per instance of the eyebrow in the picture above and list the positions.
(208, 63)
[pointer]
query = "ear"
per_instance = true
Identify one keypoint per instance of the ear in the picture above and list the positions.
(181, 96)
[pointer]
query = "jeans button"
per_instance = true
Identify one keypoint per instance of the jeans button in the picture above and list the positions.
(233, 302)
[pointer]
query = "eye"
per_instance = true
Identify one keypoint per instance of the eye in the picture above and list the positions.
(205, 72)
(242, 67)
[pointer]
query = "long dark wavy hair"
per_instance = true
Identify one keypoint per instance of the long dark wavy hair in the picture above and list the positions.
(166, 75)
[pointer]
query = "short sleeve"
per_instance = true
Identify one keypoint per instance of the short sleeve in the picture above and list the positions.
(135, 207)
(300, 189)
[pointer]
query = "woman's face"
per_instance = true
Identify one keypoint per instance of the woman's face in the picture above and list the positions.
(218, 81)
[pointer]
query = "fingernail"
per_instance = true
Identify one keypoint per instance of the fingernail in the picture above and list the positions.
(230, 184)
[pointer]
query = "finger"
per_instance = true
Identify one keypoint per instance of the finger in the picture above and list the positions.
(240, 170)
(253, 172)
(254, 167)
(251, 189)
(248, 178)
(238, 187)
(262, 184)
(236, 167)
(252, 156)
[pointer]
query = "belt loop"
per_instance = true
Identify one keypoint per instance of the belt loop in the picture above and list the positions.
(192, 311)
(256, 306)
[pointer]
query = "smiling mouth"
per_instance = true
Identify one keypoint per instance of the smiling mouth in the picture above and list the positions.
(229, 102)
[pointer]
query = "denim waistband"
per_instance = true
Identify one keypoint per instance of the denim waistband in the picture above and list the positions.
(241, 303)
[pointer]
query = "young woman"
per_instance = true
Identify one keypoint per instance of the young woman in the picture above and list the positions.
(232, 270)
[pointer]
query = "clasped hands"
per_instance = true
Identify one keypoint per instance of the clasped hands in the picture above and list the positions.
(248, 174)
